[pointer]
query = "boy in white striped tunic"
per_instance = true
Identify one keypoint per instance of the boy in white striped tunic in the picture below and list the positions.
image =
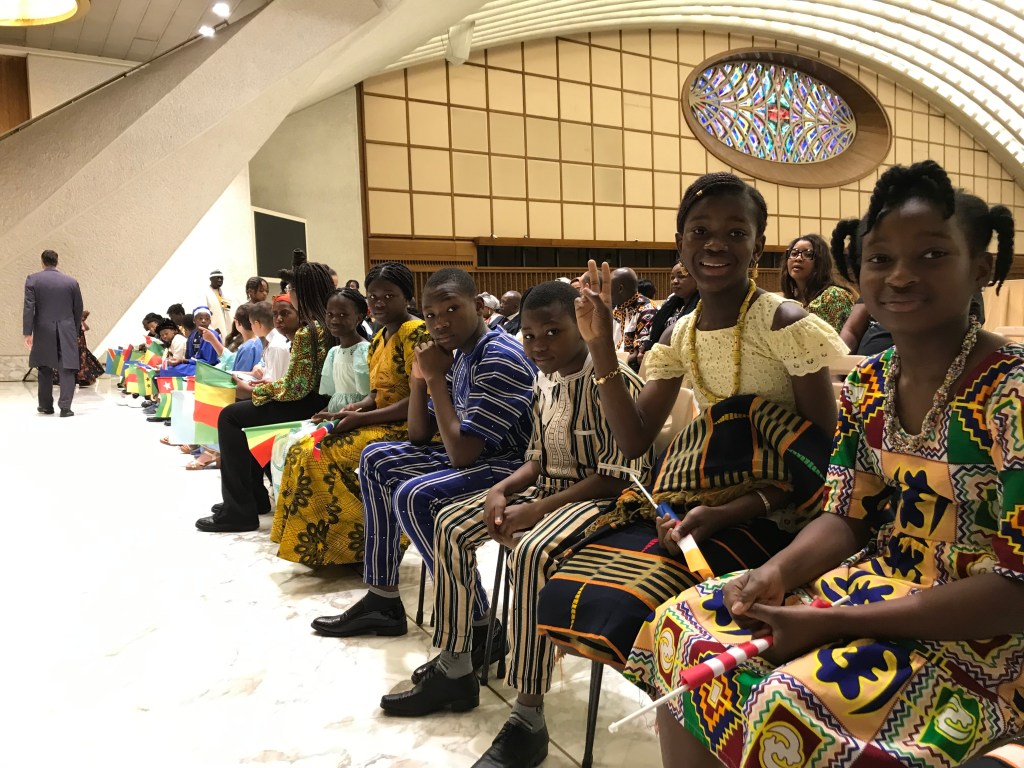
(573, 473)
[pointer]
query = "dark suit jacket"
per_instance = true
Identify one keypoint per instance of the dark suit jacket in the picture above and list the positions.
(513, 324)
(53, 316)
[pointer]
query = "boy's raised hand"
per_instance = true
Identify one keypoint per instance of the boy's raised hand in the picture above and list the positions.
(594, 308)
(432, 362)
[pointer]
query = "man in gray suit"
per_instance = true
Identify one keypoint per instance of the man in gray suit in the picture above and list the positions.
(51, 319)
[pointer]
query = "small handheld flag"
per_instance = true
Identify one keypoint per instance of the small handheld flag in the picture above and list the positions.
(708, 670)
(215, 389)
(691, 552)
(261, 439)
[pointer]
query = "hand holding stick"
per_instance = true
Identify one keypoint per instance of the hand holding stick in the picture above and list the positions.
(691, 552)
(706, 671)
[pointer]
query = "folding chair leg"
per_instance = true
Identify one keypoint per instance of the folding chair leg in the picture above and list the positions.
(596, 675)
(492, 614)
(504, 619)
(423, 589)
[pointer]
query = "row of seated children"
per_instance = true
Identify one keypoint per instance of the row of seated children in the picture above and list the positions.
(258, 346)
(937, 487)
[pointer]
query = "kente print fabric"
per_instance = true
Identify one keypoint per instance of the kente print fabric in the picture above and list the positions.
(957, 510)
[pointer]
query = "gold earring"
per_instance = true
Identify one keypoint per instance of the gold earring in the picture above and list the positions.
(754, 272)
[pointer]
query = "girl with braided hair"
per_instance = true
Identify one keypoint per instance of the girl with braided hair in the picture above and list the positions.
(293, 398)
(923, 519)
(319, 515)
(745, 476)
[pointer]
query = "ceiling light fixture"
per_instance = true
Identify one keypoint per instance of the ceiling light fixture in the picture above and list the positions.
(207, 31)
(31, 13)
(222, 9)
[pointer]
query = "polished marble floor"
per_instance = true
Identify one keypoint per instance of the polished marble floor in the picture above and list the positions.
(132, 639)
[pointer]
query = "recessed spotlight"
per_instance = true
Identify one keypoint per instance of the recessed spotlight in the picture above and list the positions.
(207, 31)
(222, 9)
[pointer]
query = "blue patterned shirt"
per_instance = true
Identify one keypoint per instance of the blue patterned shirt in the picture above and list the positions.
(492, 391)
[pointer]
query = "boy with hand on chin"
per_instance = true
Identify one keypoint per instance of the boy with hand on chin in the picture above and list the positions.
(573, 472)
(472, 385)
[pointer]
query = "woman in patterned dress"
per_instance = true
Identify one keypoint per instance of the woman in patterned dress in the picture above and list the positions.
(809, 277)
(319, 515)
(925, 519)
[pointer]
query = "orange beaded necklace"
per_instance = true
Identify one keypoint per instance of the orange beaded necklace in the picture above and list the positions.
(741, 319)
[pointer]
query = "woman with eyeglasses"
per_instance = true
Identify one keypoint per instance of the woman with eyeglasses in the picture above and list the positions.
(809, 278)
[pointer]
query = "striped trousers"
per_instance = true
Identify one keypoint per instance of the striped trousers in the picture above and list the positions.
(403, 487)
(460, 531)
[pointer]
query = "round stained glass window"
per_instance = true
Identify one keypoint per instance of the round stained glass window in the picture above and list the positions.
(785, 117)
(772, 112)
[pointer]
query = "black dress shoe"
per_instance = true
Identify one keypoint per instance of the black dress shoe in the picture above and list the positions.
(479, 642)
(46, 411)
(367, 617)
(216, 509)
(219, 524)
(65, 412)
(434, 693)
(158, 418)
(516, 746)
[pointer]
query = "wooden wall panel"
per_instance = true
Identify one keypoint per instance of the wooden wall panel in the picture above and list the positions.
(14, 108)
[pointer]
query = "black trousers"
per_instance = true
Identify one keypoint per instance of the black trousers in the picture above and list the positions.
(67, 383)
(241, 477)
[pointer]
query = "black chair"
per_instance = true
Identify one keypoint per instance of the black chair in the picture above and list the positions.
(498, 570)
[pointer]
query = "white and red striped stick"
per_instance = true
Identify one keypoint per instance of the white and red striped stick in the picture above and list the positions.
(708, 670)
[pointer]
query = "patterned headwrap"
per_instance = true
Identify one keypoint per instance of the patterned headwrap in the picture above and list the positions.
(283, 297)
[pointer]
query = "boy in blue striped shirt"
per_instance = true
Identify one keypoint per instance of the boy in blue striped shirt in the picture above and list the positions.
(480, 386)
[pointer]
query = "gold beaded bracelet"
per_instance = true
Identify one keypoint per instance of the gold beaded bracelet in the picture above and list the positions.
(764, 500)
(607, 377)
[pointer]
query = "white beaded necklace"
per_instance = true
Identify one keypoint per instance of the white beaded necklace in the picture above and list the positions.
(895, 435)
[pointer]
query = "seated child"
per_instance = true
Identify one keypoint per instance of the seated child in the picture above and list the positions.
(573, 472)
(924, 666)
(277, 350)
(318, 519)
(293, 398)
(198, 346)
(480, 403)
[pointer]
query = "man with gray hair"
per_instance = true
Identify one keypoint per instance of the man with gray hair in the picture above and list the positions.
(51, 319)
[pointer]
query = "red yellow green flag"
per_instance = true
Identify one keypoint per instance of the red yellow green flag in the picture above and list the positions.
(261, 439)
(154, 354)
(165, 385)
(215, 389)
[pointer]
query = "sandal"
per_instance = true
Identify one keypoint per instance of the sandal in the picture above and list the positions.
(166, 440)
(198, 464)
(186, 449)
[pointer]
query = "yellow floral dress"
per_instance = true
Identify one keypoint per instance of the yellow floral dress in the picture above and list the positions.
(319, 515)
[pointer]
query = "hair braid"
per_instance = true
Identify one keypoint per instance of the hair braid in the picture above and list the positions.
(311, 286)
(846, 248)
(926, 180)
(722, 184)
(1002, 224)
(393, 272)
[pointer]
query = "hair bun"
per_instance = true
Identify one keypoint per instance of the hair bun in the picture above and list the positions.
(298, 258)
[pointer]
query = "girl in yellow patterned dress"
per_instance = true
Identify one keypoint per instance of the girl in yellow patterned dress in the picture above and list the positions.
(319, 515)
(926, 665)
